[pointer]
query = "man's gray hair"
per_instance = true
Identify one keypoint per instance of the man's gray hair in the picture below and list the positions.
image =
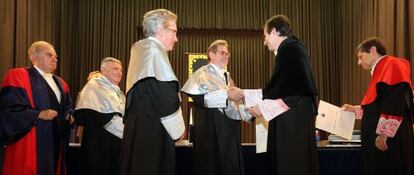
(37, 46)
(213, 46)
(155, 20)
(109, 59)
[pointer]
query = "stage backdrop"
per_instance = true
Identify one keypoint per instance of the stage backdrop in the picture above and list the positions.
(85, 31)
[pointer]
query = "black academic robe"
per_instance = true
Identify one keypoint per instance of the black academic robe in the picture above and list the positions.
(147, 148)
(389, 93)
(100, 150)
(217, 146)
(291, 146)
(34, 146)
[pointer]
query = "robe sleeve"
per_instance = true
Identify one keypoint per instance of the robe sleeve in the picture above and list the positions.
(198, 100)
(393, 107)
(165, 96)
(16, 115)
(216, 99)
(82, 114)
(221, 102)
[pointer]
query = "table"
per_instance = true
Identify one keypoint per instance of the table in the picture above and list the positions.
(332, 160)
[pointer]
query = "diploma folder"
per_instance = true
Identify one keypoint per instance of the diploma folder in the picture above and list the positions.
(334, 120)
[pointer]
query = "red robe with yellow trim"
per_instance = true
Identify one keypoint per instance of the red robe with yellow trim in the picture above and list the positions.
(389, 96)
(33, 146)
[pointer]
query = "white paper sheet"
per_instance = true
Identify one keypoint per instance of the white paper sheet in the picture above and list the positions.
(333, 119)
(252, 97)
(262, 128)
(272, 108)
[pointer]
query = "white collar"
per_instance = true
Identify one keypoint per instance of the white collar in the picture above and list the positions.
(221, 71)
(48, 77)
(41, 72)
(156, 40)
(375, 64)
(106, 81)
(275, 52)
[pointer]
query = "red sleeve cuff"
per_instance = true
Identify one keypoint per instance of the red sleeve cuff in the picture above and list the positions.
(359, 112)
(388, 125)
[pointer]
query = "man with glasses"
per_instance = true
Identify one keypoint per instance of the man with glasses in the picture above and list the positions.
(35, 106)
(153, 102)
(217, 148)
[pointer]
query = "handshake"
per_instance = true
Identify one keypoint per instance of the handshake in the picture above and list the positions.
(235, 94)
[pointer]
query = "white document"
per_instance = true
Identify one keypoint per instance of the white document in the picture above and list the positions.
(262, 128)
(174, 124)
(272, 108)
(333, 119)
(269, 108)
(252, 97)
(115, 126)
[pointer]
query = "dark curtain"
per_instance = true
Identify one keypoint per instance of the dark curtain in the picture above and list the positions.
(84, 32)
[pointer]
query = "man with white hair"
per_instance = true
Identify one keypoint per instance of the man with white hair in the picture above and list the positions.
(35, 107)
(99, 110)
(152, 110)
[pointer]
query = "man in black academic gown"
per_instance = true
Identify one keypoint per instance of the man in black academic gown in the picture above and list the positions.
(386, 111)
(217, 146)
(99, 110)
(35, 108)
(291, 146)
(153, 118)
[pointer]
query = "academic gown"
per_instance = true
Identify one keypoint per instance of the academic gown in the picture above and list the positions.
(100, 150)
(389, 93)
(217, 123)
(217, 146)
(152, 102)
(34, 146)
(291, 146)
(147, 148)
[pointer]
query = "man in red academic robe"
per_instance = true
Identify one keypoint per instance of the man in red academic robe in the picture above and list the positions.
(34, 110)
(386, 111)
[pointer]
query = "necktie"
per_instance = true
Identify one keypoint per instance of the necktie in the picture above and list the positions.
(225, 77)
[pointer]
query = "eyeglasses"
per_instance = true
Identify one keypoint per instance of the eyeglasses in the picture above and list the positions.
(172, 30)
(223, 53)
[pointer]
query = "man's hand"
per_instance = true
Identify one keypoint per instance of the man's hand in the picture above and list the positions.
(255, 111)
(235, 94)
(348, 107)
(381, 143)
(48, 114)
